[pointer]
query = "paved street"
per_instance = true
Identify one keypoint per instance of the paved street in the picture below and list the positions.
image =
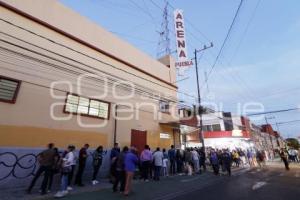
(273, 182)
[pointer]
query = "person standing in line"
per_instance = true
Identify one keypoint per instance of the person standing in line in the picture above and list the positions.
(73, 166)
(242, 157)
(46, 161)
(55, 168)
(158, 157)
(179, 161)
(195, 157)
(202, 158)
(260, 158)
(146, 159)
(115, 151)
(81, 166)
(131, 161)
(172, 156)
(284, 158)
(250, 158)
(295, 155)
(219, 155)
(214, 160)
(188, 158)
(120, 171)
(66, 169)
(227, 161)
(236, 158)
(97, 162)
(165, 163)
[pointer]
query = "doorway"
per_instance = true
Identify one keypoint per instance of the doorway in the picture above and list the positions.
(138, 139)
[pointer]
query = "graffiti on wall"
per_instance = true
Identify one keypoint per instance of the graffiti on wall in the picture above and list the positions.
(24, 166)
(18, 167)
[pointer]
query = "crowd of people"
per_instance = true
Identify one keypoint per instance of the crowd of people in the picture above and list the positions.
(52, 162)
(146, 164)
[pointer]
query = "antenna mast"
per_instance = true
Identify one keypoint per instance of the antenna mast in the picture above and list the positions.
(164, 34)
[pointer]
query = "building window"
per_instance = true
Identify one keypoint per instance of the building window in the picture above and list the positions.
(164, 106)
(207, 128)
(9, 89)
(87, 107)
(216, 127)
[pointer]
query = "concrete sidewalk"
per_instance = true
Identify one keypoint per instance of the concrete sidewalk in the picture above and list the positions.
(20, 193)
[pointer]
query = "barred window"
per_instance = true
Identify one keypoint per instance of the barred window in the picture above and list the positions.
(9, 89)
(87, 107)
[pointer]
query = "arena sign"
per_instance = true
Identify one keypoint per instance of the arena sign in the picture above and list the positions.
(182, 60)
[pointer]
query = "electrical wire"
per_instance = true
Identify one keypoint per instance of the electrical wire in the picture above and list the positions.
(225, 40)
(77, 73)
(72, 60)
(31, 32)
(93, 58)
(274, 111)
(241, 94)
(287, 122)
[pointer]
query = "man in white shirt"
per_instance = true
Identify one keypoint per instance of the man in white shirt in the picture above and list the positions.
(158, 162)
(195, 157)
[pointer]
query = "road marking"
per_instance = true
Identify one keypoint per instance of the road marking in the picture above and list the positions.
(258, 185)
(297, 175)
(189, 180)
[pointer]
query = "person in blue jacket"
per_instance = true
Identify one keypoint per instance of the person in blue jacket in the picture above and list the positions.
(131, 161)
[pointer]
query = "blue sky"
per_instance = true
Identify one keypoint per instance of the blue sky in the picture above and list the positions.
(260, 62)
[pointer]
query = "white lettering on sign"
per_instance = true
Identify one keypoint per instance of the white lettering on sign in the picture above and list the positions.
(164, 136)
(183, 60)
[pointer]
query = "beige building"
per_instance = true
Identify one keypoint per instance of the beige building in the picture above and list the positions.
(62, 78)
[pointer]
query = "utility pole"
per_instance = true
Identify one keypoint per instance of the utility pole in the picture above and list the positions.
(199, 94)
(266, 118)
(116, 121)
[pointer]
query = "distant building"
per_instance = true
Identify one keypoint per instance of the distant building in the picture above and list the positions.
(224, 130)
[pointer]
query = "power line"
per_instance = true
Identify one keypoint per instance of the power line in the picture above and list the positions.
(287, 122)
(67, 47)
(52, 41)
(246, 29)
(193, 26)
(280, 92)
(275, 111)
(201, 33)
(143, 10)
(133, 37)
(225, 40)
(74, 72)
